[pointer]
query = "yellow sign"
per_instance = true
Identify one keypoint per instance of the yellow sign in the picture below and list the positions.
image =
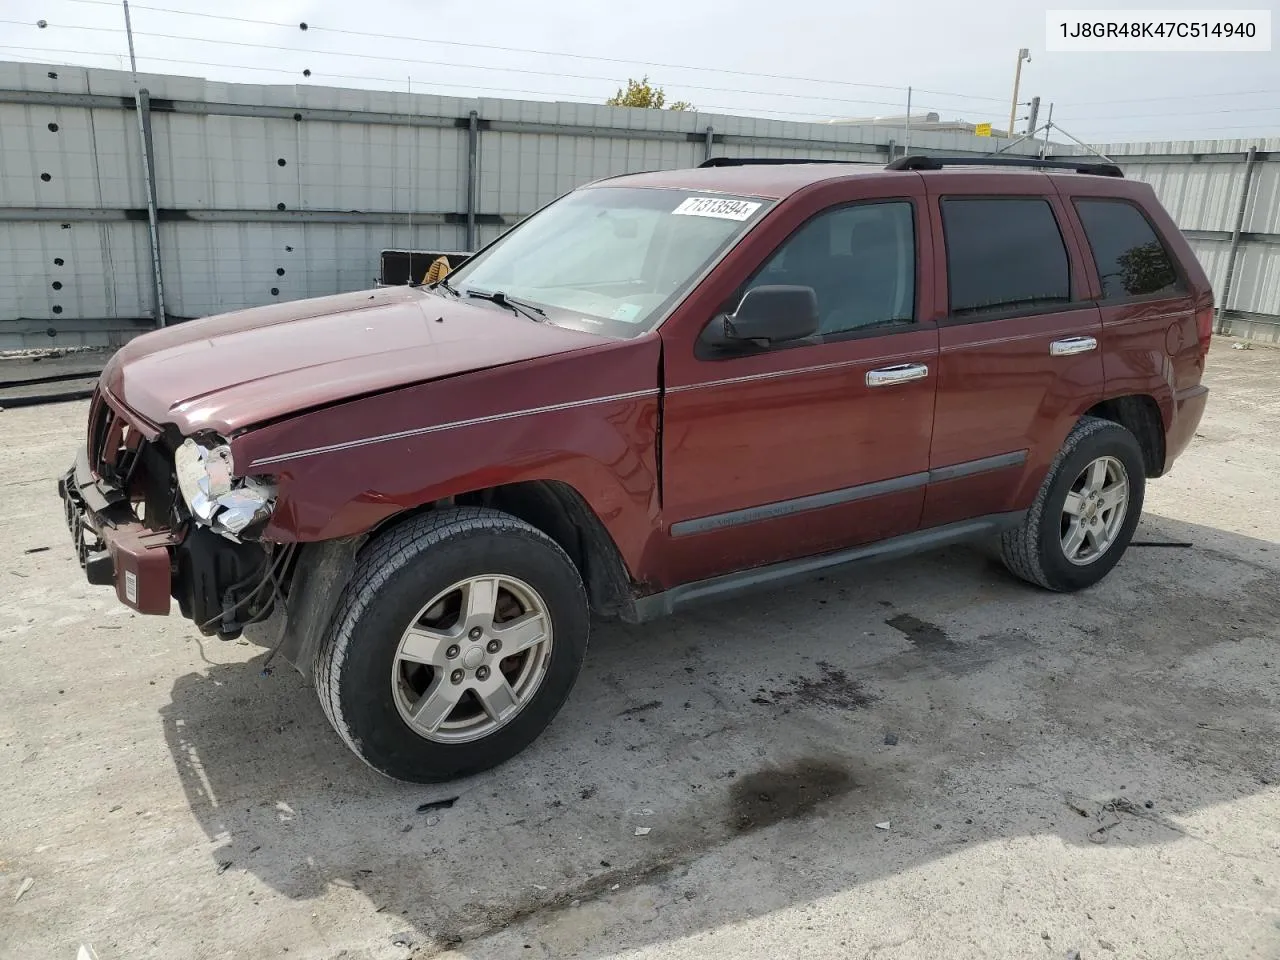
(982, 130)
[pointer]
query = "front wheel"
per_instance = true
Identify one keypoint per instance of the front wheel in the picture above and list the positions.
(454, 645)
(1085, 513)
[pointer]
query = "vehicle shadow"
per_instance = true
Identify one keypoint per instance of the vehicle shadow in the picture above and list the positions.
(936, 693)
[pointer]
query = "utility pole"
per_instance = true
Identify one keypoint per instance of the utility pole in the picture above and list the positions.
(1033, 115)
(1023, 54)
(1048, 132)
(142, 103)
(906, 146)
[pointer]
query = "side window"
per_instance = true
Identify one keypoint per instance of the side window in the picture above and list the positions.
(1003, 254)
(1130, 259)
(860, 261)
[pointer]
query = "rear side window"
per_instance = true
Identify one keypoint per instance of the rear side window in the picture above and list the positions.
(1004, 254)
(1131, 260)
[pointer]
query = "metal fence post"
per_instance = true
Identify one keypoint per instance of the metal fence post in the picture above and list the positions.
(711, 138)
(1250, 159)
(473, 175)
(142, 100)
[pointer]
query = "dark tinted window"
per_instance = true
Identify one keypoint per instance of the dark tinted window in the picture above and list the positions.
(1003, 254)
(1130, 259)
(860, 261)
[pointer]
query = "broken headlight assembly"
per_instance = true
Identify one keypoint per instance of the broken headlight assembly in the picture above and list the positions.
(238, 508)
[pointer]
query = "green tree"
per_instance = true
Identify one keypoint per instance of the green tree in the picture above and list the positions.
(1145, 269)
(641, 93)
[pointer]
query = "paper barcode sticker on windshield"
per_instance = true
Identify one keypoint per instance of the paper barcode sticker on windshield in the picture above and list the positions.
(717, 207)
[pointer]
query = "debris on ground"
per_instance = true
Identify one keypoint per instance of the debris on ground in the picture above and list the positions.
(27, 884)
(444, 804)
(86, 952)
(37, 549)
(1102, 834)
(890, 739)
(643, 831)
(616, 886)
(1122, 805)
(223, 866)
(885, 825)
(1073, 955)
(1245, 345)
(1075, 807)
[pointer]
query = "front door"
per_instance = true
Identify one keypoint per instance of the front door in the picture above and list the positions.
(802, 448)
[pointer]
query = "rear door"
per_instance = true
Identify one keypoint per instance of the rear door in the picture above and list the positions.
(1153, 342)
(1018, 341)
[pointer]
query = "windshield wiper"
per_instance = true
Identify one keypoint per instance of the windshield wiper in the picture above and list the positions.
(536, 314)
(444, 282)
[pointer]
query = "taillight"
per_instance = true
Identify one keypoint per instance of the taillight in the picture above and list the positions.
(1204, 327)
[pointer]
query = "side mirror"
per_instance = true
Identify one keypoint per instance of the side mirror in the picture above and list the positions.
(774, 314)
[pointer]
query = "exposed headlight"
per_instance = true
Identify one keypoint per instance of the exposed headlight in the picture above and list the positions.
(206, 479)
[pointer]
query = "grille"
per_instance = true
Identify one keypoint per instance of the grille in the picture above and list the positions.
(113, 447)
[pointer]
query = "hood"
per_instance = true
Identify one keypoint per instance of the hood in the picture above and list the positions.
(232, 371)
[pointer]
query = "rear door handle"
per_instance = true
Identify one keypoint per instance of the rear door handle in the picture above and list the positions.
(1071, 345)
(903, 373)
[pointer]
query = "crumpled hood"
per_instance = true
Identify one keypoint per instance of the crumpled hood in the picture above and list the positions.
(234, 370)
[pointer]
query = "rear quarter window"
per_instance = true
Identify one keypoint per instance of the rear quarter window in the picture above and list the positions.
(1131, 260)
(1004, 254)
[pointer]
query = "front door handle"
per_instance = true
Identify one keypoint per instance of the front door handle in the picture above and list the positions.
(1072, 345)
(903, 373)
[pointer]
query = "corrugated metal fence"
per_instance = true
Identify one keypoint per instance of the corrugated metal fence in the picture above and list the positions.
(269, 193)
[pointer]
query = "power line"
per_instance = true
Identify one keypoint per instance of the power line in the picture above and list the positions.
(545, 53)
(1150, 116)
(573, 97)
(1188, 96)
(1195, 135)
(441, 63)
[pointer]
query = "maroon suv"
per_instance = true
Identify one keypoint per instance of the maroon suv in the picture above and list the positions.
(660, 389)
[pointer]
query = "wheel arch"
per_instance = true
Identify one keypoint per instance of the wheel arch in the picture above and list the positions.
(323, 568)
(1140, 415)
(563, 514)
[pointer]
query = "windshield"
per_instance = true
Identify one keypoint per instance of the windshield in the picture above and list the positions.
(609, 260)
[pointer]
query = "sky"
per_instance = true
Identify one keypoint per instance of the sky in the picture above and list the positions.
(797, 60)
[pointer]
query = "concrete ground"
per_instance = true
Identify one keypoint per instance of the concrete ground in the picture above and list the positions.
(1096, 773)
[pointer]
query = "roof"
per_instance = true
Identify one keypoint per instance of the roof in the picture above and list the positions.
(776, 181)
(768, 181)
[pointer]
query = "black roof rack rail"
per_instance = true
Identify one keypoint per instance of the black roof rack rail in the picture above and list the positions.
(765, 161)
(920, 162)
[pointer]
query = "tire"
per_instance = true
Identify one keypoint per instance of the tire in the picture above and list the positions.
(371, 675)
(1036, 551)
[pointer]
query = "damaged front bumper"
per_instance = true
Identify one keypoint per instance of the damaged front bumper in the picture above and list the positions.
(218, 583)
(113, 547)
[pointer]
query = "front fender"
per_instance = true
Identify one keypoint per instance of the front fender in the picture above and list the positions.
(588, 419)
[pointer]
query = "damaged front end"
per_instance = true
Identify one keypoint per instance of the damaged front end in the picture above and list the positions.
(160, 516)
(238, 509)
(226, 580)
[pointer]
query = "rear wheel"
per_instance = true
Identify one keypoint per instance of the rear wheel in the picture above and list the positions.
(454, 645)
(1085, 513)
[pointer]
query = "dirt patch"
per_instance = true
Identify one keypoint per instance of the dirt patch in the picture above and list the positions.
(833, 687)
(772, 795)
(927, 636)
(642, 708)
